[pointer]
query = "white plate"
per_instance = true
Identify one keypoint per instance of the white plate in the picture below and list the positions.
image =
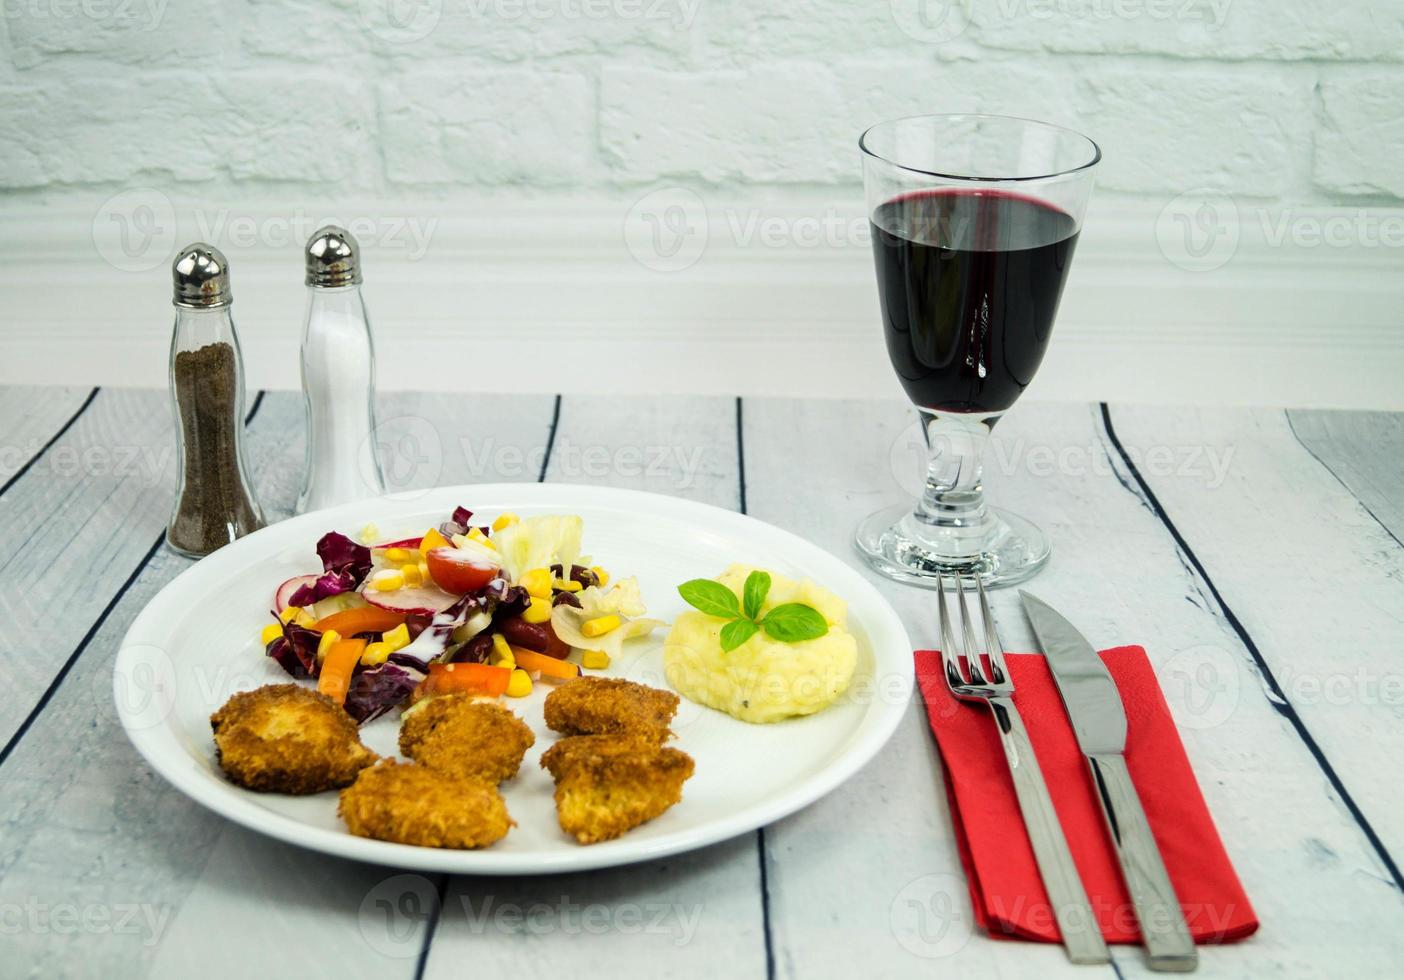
(196, 643)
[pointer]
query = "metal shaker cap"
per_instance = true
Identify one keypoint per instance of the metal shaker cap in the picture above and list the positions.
(201, 278)
(333, 258)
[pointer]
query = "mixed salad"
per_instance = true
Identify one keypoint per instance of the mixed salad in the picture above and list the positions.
(483, 609)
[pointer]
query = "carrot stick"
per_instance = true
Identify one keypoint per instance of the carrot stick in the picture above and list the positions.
(548, 666)
(363, 619)
(466, 678)
(335, 679)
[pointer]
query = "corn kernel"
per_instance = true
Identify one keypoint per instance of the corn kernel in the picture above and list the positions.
(519, 685)
(476, 534)
(502, 655)
(397, 638)
(424, 571)
(539, 611)
(594, 659)
(290, 614)
(537, 582)
(369, 534)
(506, 520)
(270, 633)
(566, 585)
(376, 654)
(325, 643)
(600, 625)
(387, 581)
(397, 555)
(600, 574)
(432, 539)
(410, 573)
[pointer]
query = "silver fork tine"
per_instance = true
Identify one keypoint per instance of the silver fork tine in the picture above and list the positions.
(993, 647)
(972, 646)
(950, 652)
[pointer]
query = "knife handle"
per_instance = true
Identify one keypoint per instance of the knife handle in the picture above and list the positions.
(1082, 935)
(1169, 946)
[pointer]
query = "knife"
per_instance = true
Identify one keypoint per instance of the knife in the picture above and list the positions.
(1099, 721)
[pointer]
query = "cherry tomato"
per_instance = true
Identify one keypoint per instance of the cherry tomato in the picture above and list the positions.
(454, 571)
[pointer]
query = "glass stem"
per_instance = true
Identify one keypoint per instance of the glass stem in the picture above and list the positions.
(953, 498)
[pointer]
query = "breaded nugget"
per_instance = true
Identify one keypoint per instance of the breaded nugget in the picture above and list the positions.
(609, 784)
(459, 735)
(284, 738)
(410, 804)
(609, 706)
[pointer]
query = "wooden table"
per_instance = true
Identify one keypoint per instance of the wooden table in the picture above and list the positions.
(1257, 554)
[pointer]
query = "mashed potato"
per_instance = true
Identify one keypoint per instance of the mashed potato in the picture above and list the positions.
(763, 679)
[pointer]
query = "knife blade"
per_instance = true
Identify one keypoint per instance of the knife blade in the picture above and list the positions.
(1098, 718)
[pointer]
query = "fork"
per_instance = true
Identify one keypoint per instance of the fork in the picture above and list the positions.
(1082, 937)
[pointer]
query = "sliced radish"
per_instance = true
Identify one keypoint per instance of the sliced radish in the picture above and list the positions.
(285, 591)
(424, 599)
(409, 544)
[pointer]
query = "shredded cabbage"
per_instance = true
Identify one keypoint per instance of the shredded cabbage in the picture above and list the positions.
(539, 542)
(623, 600)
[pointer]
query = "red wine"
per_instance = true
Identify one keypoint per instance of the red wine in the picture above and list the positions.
(969, 283)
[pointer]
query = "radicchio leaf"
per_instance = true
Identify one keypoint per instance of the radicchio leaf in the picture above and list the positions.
(376, 690)
(296, 650)
(328, 584)
(340, 554)
(436, 637)
(457, 524)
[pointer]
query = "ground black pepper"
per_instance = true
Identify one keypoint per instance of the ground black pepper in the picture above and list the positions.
(215, 504)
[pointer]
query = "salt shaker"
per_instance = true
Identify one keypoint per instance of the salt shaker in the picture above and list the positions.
(338, 377)
(215, 502)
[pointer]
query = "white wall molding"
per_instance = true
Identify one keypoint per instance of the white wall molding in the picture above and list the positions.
(1302, 306)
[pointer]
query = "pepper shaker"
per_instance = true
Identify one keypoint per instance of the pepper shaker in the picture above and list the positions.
(338, 377)
(215, 503)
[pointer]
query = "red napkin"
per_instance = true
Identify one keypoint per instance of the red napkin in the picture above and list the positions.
(1005, 887)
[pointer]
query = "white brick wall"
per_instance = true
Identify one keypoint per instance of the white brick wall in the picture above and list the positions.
(1282, 100)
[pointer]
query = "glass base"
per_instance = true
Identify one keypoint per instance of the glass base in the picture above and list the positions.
(1010, 549)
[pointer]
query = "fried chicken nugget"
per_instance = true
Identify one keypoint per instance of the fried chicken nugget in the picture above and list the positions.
(459, 735)
(609, 706)
(285, 738)
(407, 803)
(609, 784)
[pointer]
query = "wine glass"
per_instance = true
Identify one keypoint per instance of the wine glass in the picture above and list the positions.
(974, 222)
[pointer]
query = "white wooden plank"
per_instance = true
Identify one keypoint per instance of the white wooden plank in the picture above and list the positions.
(843, 871)
(102, 832)
(1312, 576)
(30, 416)
(1365, 451)
(689, 915)
(77, 522)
